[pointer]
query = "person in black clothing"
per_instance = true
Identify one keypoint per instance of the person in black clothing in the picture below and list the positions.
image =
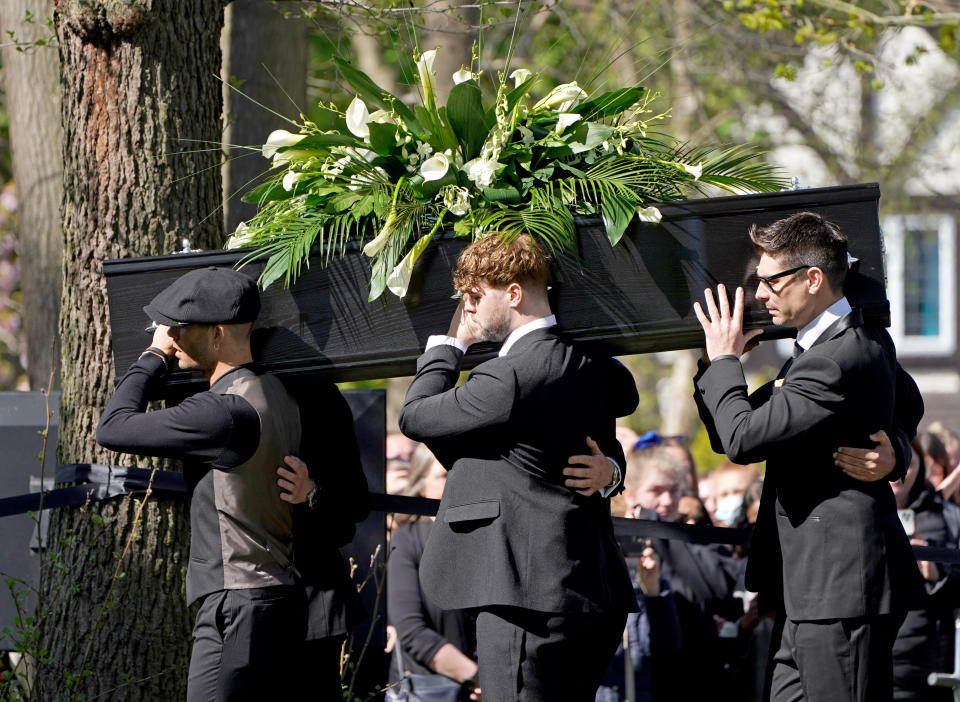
(329, 469)
(243, 571)
(925, 640)
(430, 639)
(523, 534)
(828, 554)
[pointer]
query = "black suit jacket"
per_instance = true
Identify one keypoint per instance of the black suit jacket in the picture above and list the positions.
(508, 532)
(828, 545)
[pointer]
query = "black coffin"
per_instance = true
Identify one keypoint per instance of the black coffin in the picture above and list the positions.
(635, 297)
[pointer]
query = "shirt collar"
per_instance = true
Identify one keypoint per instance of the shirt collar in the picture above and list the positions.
(541, 323)
(808, 336)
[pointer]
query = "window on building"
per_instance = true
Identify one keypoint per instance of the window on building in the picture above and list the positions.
(921, 283)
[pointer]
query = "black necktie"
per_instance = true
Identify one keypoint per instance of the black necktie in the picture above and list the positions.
(797, 349)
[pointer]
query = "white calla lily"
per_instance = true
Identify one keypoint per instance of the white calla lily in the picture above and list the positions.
(357, 118)
(695, 171)
(291, 178)
(563, 97)
(520, 76)
(425, 70)
(376, 245)
(565, 119)
(462, 76)
(279, 139)
(242, 236)
(399, 279)
(482, 171)
(382, 117)
(649, 214)
(435, 167)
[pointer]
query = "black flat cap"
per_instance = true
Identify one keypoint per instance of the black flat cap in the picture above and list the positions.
(207, 296)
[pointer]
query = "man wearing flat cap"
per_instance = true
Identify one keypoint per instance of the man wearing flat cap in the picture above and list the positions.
(234, 439)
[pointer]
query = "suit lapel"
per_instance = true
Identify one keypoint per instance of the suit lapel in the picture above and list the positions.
(854, 318)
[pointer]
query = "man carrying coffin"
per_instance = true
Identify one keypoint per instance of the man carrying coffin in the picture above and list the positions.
(234, 440)
(523, 536)
(829, 553)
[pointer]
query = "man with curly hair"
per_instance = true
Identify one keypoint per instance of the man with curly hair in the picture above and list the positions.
(523, 536)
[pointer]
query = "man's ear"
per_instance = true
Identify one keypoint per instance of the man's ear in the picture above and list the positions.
(514, 294)
(815, 280)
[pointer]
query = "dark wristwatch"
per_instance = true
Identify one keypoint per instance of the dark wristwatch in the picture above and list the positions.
(312, 497)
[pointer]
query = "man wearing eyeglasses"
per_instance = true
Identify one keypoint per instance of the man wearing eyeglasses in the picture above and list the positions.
(829, 554)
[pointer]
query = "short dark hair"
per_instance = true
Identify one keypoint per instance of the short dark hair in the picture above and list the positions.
(805, 239)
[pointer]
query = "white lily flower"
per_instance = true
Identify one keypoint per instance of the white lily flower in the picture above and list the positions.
(462, 76)
(291, 178)
(565, 119)
(424, 149)
(241, 236)
(520, 76)
(382, 117)
(376, 245)
(482, 171)
(357, 118)
(649, 214)
(399, 279)
(695, 171)
(457, 200)
(331, 169)
(563, 97)
(425, 70)
(435, 168)
(279, 139)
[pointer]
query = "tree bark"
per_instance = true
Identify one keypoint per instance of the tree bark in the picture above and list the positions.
(31, 81)
(139, 86)
(257, 40)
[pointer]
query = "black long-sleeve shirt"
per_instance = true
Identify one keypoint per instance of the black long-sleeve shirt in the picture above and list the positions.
(422, 628)
(210, 430)
(207, 430)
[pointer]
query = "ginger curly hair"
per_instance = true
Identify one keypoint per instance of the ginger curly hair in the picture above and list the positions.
(498, 261)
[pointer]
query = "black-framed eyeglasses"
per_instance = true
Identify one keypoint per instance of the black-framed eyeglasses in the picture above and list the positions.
(769, 280)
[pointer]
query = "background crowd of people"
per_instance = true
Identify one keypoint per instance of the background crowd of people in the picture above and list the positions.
(699, 634)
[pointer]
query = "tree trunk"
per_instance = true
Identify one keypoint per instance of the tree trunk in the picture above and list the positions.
(366, 47)
(31, 80)
(258, 40)
(677, 408)
(139, 88)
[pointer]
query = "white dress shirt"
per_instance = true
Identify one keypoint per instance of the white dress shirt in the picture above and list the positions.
(808, 336)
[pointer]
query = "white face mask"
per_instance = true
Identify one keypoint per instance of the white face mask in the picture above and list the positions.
(728, 509)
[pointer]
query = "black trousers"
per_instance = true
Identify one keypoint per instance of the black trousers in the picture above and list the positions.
(527, 656)
(246, 643)
(834, 660)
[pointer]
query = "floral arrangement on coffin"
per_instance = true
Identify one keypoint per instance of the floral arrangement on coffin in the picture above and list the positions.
(395, 177)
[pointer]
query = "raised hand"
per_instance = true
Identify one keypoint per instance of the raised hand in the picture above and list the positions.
(723, 329)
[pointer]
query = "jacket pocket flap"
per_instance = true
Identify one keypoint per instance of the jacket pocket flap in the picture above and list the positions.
(489, 509)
